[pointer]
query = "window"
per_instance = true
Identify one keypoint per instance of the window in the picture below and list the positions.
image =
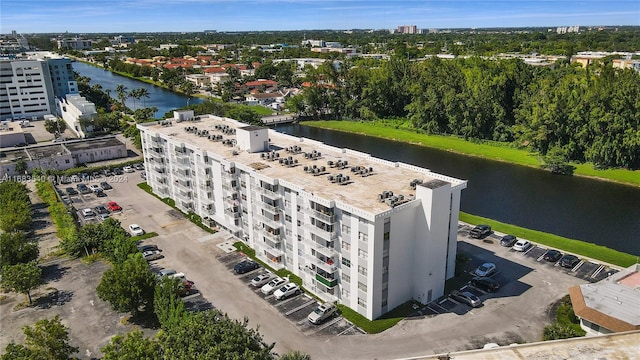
(363, 253)
(299, 223)
(287, 218)
(346, 246)
(363, 237)
(346, 229)
(346, 278)
(287, 203)
(362, 286)
(362, 302)
(362, 270)
(346, 262)
(345, 293)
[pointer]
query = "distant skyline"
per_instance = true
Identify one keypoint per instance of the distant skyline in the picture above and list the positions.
(120, 16)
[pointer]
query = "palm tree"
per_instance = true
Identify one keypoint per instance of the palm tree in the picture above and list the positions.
(135, 95)
(143, 93)
(122, 93)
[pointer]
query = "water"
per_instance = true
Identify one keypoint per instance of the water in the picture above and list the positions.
(579, 208)
(161, 98)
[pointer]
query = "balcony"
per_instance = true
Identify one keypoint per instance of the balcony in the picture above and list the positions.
(185, 183)
(324, 217)
(269, 234)
(271, 208)
(328, 282)
(229, 187)
(159, 170)
(325, 234)
(327, 265)
(182, 175)
(233, 212)
(268, 193)
(326, 251)
(182, 164)
(267, 221)
(184, 196)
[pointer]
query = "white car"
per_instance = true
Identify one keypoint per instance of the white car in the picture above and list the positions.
(486, 269)
(88, 213)
(95, 187)
(322, 313)
(166, 272)
(128, 169)
(286, 291)
(135, 230)
(152, 255)
(261, 279)
(180, 276)
(522, 245)
(275, 283)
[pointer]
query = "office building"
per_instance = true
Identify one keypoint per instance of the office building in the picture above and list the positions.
(366, 232)
(29, 85)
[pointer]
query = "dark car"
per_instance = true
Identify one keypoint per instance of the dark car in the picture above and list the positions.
(105, 186)
(508, 240)
(245, 266)
(100, 209)
(569, 261)
(117, 171)
(149, 247)
(485, 283)
(100, 193)
(71, 191)
(552, 255)
(84, 189)
(480, 231)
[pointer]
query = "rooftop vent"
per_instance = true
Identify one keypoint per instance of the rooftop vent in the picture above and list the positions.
(314, 155)
(338, 164)
(271, 156)
(295, 149)
(362, 171)
(385, 195)
(414, 183)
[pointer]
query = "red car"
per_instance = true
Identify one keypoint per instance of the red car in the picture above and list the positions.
(113, 206)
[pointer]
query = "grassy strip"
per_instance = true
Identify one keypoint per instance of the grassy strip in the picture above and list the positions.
(192, 217)
(144, 236)
(590, 250)
(67, 229)
(486, 149)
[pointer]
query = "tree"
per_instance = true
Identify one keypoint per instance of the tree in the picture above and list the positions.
(57, 126)
(231, 339)
(135, 95)
(167, 305)
(15, 216)
(128, 286)
(20, 166)
(14, 249)
(46, 340)
(22, 278)
(132, 346)
(121, 92)
(558, 331)
(144, 94)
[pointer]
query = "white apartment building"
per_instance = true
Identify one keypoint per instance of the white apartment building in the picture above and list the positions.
(73, 108)
(29, 86)
(366, 232)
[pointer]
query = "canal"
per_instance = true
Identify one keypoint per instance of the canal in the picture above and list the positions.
(579, 208)
(590, 210)
(161, 98)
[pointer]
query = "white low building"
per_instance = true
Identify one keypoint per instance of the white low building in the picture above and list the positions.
(75, 109)
(366, 232)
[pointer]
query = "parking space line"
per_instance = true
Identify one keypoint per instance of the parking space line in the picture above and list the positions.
(329, 323)
(299, 307)
(575, 268)
(279, 303)
(191, 296)
(345, 330)
(595, 273)
(527, 251)
(434, 310)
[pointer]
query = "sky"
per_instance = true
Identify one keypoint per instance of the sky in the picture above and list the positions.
(120, 16)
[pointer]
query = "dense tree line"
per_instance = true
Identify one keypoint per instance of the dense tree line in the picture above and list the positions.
(590, 114)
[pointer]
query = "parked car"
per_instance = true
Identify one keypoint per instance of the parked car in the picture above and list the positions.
(100, 193)
(486, 269)
(508, 240)
(480, 231)
(75, 178)
(166, 272)
(100, 209)
(84, 189)
(467, 298)
(179, 275)
(138, 166)
(286, 291)
(152, 255)
(569, 261)
(96, 175)
(136, 230)
(275, 283)
(245, 266)
(94, 187)
(522, 245)
(117, 171)
(322, 313)
(113, 206)
(149, 247)
(105, 186)
(104, 217)
(485, 283)
(88, 213)
(106, 172)
(261, 279)
(71, 191)
(552, 255)
(128, 169)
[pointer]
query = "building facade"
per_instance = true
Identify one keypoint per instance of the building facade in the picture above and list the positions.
(29, 86)
(73, 108)
(368, 233)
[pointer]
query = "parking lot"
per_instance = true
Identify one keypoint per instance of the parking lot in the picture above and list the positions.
(296, 308)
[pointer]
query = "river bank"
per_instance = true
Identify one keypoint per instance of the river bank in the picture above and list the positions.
(490, 151)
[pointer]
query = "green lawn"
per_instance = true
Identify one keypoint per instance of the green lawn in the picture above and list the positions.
(590, 250)
(398, 131)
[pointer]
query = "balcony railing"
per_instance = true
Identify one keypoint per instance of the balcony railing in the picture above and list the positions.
(325, 234)
(159, 170)
(270, 222)
(326, 251)
(184, 175)
(326, 281)
(276, 238)
(329, 266)
(327, 218)
(268, 193)
(182, 164)
(272, 209)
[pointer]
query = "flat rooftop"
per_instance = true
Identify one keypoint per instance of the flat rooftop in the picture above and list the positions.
(618, 301)
(85, 144)
(39, 152)
(360, 191)
(9, 156)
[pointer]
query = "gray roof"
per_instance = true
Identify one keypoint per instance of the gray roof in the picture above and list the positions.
(613, 299)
